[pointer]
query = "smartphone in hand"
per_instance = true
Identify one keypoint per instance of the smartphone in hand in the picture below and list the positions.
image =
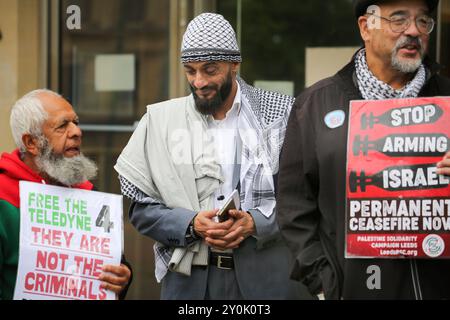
(233, 202)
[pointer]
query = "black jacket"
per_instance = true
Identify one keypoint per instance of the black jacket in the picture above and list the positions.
(311, 202)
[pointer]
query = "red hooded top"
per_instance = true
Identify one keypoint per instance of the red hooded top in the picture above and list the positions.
(13, 170)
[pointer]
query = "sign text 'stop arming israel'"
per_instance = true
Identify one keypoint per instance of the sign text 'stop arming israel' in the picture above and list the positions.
(66, 236)
(397, 205)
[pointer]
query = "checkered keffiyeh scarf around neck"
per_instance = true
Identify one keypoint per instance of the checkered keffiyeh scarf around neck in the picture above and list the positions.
(373, 89)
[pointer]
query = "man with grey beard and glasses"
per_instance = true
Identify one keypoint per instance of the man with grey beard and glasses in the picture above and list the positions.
(45, 129)
(312, 182)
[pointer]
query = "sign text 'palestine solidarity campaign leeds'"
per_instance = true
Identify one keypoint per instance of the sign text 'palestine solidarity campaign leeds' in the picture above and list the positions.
(397, 205)
(66, 236)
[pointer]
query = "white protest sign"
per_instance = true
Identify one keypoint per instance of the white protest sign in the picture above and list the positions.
(66, 236)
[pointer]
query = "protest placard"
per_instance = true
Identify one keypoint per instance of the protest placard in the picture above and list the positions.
(66, 236)
(397, 205)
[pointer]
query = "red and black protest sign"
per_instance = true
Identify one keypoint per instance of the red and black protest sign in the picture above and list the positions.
(397, 205)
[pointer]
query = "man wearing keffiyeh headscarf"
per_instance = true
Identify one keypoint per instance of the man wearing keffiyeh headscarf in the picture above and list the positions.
(188, 155)
(312, 195)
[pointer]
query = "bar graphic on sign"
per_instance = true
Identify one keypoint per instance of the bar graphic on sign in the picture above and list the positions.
(403, 145)
(402, 117)
(414, 177)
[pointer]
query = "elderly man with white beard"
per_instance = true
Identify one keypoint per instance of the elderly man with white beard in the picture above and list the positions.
(45, 130)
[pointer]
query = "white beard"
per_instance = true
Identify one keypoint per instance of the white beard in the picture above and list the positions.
(67, 171)
(406, 66)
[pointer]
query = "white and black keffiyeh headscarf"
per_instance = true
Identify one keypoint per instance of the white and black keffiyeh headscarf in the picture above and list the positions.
(372, 88)
(209, 37)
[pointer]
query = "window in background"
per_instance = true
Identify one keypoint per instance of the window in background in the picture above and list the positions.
(276, 34)
(445, 37)
(111, 69)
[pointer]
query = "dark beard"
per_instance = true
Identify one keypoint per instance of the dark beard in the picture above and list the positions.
(210, 107)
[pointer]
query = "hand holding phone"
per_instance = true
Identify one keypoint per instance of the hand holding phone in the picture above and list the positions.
(232, 202)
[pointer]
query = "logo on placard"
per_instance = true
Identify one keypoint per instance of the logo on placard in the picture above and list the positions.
(433, 246)
(335, 119)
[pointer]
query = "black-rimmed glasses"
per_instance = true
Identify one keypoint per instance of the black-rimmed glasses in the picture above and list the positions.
(424, 23)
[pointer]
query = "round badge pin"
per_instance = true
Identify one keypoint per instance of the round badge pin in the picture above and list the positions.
(335, 119)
